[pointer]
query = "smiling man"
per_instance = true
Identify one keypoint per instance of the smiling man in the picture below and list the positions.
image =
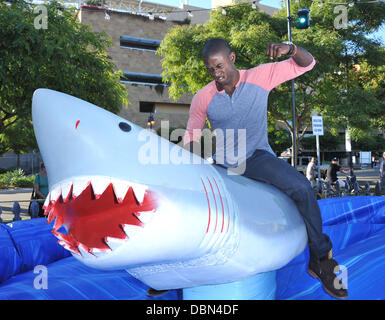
(236, 100)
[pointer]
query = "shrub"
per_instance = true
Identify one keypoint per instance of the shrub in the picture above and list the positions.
(16, 178)
(22, 182)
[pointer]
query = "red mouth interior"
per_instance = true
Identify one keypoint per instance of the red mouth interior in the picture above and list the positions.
(89, 219)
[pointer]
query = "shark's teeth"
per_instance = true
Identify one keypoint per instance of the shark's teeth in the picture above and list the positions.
(51, 215)
(130, 230)
(47, 201)
(139, 191)
(120, 190)
(55, 194)
(84, 251)
(65, 189)
(67, 246)
(99, 252)
(79, 185)
(58, 223)
(99, 185)
(145, 217)
(114, 243)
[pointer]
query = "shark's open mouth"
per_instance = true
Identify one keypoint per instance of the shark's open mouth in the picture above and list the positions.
(99, 213)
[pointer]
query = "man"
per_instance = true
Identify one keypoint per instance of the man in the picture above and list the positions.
(382, 166)
(311, 171)
(237, 100)
(331, 173)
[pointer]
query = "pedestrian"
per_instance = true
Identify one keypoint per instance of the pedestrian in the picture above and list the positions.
(382, 166)
(331, 173)
(237, 100)
(311, 171)
(40, 187)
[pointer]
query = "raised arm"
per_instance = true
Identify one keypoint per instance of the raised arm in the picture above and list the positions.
(301, 56)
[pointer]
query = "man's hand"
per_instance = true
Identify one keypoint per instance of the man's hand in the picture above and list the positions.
(277, 49)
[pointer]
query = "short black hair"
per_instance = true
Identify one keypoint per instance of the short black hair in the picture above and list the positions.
(214, 46)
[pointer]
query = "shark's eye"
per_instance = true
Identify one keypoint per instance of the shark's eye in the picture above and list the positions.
(125, 126)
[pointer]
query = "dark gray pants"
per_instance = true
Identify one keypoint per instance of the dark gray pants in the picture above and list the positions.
(265, 167)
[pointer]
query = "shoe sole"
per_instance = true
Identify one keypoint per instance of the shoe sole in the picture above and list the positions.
(155, 294)
(326, 289)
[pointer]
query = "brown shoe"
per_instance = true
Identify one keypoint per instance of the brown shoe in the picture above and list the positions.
(324, 271)
(151, 292)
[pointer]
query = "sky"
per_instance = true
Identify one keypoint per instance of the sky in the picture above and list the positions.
(273, 3)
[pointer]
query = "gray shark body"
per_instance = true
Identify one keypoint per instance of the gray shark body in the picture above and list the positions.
(169, 224)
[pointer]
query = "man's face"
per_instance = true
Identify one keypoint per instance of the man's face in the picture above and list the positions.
(221, 67)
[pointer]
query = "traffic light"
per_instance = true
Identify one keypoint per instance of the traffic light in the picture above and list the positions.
(150, 121)
(303, 21)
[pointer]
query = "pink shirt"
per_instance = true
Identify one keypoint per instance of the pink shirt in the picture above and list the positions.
(245, 109)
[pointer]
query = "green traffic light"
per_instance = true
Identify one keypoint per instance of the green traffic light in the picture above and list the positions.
(303, 21)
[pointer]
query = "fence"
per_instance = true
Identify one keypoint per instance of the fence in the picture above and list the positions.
(29, 162)
(326, 189)
(34, 210)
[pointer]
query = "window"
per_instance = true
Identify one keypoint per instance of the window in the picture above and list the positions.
(149, 79)
(148, 107)
(127, 42)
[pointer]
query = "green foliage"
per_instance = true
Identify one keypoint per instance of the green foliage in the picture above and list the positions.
(327, 142)
(19, 138)
(16, 178)
(66, 56)
(6, 178)
(23, 182)
(369, 142)
(279, 139)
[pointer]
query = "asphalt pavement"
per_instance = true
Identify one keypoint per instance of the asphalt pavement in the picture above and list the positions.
(8, 198)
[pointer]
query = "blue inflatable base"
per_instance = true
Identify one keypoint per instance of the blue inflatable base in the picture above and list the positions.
(33, 266)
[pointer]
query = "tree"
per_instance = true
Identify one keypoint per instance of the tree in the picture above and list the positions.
(327, 142)
(323, 89)
(65, 56)
(19, 138)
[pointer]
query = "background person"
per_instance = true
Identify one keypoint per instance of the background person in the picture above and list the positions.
(382, 166)
(311, 171)
(332, 173)
(40, 187)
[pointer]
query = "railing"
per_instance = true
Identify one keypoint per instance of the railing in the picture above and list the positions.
(35, 208)
(326, 189)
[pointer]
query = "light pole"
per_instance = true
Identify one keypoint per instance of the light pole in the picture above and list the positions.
(294, 156)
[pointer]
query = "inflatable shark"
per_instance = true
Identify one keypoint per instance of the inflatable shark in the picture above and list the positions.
(118, 204)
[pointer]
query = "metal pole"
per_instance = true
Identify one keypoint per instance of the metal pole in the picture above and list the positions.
(318, 157)
(347, 97)
(294, 156)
